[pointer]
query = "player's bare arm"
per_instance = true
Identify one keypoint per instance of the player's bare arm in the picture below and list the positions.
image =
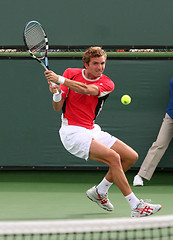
(57, 106)
(73, 85)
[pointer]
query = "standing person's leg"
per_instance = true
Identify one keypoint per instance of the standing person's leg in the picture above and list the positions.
(156, 151)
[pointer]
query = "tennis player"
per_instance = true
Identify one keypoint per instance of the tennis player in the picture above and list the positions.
(81, 95)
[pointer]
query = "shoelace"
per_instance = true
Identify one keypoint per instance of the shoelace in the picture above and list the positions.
(147, 200)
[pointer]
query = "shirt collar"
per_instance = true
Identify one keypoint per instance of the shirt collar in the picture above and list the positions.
(91, 80)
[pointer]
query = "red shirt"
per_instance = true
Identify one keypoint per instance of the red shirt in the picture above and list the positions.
(79, 109)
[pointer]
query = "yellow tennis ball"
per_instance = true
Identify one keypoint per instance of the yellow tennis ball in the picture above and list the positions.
(126, 99)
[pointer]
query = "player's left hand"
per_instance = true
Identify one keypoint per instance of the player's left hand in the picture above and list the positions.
(54, 88)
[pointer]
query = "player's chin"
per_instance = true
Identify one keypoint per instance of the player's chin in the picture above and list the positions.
(98, 74)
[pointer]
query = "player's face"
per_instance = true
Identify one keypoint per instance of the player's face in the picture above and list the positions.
(95, 67)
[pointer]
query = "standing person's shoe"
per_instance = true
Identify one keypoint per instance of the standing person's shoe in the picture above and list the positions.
(138, 181)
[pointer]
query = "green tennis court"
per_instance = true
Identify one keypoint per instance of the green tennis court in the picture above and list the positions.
(39, 179)
(50, 195)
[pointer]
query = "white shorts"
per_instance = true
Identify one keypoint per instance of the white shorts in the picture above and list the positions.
(77, 140)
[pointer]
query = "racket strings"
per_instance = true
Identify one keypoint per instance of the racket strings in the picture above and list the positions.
(35, 39)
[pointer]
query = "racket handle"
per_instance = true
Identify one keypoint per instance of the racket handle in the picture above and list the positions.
(53, 83)
(46, 68)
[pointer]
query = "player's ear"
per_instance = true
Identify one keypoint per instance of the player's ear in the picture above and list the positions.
(85, 65)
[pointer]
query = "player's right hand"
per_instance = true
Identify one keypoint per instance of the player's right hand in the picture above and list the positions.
(51, 76)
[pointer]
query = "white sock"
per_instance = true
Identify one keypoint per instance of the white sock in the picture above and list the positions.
(132, 200)
(103, 186)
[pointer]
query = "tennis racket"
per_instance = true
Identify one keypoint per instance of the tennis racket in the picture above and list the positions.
(36, 42)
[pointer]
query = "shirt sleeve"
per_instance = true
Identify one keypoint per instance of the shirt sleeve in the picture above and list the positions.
(106, 86)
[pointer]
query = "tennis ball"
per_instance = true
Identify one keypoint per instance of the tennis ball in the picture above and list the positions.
(126, 99)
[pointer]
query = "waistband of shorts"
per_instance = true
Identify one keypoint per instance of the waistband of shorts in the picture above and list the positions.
(65, 123)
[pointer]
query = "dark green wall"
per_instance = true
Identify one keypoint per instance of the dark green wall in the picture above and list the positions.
(29, 126)
(99, 22)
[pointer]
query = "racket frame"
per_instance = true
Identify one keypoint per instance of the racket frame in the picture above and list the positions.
(39, 59)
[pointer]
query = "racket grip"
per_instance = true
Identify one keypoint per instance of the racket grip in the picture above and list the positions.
(47, 68)
(53, 83)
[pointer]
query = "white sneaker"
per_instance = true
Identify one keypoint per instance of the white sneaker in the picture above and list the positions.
(138, 181)
(101, 200)
(145, 209)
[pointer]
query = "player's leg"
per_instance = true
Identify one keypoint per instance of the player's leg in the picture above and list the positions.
(127, 155)
(79, 142)
(101, 153)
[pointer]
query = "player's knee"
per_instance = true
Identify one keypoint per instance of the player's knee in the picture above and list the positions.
(114, 159)
(135, 157)
(132, 159)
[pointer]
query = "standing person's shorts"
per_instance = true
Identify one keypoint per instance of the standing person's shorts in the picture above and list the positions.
(77, 140)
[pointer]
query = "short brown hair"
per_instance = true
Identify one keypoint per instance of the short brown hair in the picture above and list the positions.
(93, 52)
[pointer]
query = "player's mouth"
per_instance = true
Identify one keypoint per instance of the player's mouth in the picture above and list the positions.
(99, 71)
